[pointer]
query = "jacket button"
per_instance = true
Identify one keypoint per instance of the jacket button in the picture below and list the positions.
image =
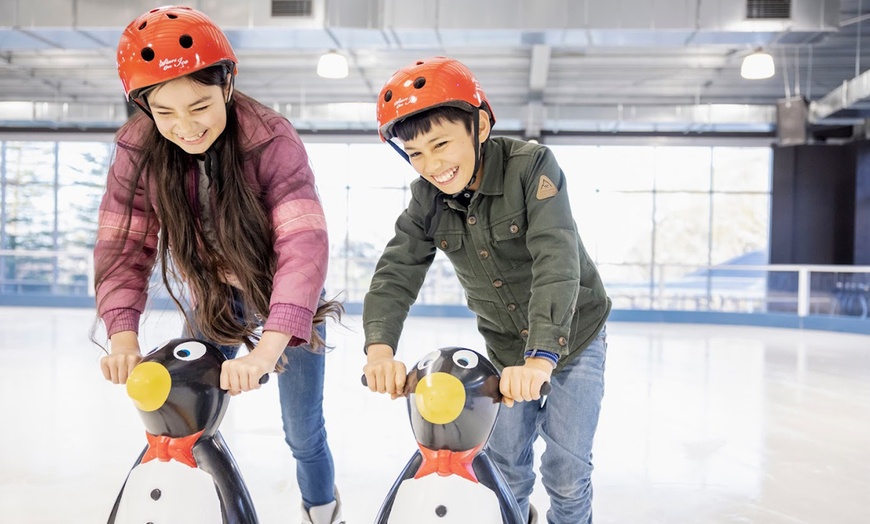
(498, 283)
(484, 253)
(443, 244)
(511, 307)
(472, 220)
(514, 228)
(563, 341)
(524, 333)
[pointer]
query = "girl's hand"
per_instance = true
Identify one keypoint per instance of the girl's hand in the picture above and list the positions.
(122, 358)
(523, 383)
(383, 373)
(244, 373)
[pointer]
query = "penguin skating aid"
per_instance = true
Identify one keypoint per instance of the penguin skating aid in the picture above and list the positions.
(453, 401)
(186, 473)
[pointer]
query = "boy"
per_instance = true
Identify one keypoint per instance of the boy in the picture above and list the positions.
(499, 210)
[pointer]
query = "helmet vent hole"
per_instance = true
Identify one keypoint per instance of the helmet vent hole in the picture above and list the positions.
(185, 41)
(141, 27)
(171, 16)
(388, 96)
(147, 54)
(419, 82)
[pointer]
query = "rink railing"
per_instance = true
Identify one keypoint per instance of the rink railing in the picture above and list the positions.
(38, 277)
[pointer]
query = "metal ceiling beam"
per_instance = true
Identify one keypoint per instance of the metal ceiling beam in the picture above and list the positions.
(511, 118)
(843, 100)
(539, 71)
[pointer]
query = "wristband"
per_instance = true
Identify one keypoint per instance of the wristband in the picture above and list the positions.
(541, 353)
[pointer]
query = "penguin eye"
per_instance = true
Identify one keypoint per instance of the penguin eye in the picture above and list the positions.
(465, 359)
(427, 361)
(189, 351)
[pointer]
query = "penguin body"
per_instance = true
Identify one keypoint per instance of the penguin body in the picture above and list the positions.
(186, 474)
(453, 402)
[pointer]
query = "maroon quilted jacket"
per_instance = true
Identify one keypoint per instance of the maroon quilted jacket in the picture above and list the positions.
(280, 171)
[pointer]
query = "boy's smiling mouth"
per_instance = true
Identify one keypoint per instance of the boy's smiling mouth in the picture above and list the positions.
(446, 176)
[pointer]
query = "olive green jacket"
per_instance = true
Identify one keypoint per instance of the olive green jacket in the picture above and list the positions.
(516, 252)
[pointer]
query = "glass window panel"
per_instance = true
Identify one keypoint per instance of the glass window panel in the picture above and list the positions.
(379, 165)
(364, 187)
(682, 168)
(741, 169)
(577, 163)
(623, 168)
(682, 228)
(622, 233)
(741, 224)
(334, 201)
(372, 215)
(330, 166)
(82, 168)
(30, 196)
(613, 168)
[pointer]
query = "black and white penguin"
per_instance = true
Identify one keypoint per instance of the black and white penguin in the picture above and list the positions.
(453, 402)
(186, 474)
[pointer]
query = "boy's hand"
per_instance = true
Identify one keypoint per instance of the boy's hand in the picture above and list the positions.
(384, 374)
(122, 358)
(523, 383)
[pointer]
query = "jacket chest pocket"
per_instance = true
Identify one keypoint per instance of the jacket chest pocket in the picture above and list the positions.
(509, 240)
(452, 244)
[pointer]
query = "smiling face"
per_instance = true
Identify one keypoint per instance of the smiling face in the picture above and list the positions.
(444, 155)
(189, 114)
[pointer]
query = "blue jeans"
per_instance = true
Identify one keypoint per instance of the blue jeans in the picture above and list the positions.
(567, 423)
(300, 388)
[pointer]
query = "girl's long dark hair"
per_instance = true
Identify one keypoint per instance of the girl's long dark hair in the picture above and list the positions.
(244, 241)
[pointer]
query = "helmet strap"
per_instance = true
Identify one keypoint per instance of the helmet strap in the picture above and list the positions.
(474, 138)
(399, 150)
(231, 84)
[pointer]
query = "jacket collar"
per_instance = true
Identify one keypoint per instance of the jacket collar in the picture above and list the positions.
(493, 168)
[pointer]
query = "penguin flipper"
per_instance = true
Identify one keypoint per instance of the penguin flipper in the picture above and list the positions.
(114, 514)
(411, 468)
(489, 475)
(213, 456)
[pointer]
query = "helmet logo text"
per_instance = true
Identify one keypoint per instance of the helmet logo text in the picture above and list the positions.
(169, 63)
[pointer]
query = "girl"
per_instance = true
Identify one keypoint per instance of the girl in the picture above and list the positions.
(217, 187)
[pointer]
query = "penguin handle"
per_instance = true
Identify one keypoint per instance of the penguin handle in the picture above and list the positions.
(545, 387)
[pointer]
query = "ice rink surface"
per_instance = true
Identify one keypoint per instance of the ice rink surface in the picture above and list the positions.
(700, 424)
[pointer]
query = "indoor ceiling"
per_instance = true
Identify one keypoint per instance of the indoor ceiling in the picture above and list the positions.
(547, 66)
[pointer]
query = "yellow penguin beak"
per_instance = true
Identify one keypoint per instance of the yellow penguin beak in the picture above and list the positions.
(439, 398)
(148, 385)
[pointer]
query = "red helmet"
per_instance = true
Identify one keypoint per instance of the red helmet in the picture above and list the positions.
(426, 84)
(167, 43)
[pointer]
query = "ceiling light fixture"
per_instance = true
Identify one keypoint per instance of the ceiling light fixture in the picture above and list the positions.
(332, 65)
(757, 66)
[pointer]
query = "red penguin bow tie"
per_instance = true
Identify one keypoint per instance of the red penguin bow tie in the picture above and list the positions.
(446, 462)
(165, 448)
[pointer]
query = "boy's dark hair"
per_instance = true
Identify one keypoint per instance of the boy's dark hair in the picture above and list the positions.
(419, 123)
